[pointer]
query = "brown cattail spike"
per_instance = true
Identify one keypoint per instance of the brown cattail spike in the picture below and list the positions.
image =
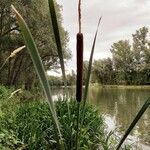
(79, 66)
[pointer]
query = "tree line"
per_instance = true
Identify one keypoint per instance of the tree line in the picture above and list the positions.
(130, 63)
(19, 69)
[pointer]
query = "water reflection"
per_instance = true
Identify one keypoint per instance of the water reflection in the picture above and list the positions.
(120, 106)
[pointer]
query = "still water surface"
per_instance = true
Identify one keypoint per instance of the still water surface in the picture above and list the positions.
(119, 107)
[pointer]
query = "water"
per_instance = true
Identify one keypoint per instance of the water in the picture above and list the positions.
(119, 107)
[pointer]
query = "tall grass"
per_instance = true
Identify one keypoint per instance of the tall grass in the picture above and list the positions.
(33, 51)
(57, 37)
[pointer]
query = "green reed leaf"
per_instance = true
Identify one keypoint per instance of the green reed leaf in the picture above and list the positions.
(33, 51)
(57, 37)
(90, 65)
(136, 119)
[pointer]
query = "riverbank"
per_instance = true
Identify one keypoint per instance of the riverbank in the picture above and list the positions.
(121, 86)
(27, 124)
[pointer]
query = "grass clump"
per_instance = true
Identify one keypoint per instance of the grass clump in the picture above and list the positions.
(9, 141)
(31, 127)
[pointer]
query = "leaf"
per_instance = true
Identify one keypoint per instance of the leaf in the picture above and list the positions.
(90, 65)
(33, 51)
(136, 119)
(57, 37)
(13, 54)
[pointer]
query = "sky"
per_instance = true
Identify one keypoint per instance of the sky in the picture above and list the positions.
(120, 19)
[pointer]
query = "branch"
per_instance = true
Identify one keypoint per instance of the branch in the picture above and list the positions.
(15, 28)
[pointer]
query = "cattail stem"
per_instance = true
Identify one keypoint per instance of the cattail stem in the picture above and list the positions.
(79, 67)
(78, 127)
(79, 15)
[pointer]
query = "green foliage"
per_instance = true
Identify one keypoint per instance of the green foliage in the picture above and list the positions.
(34, 54)
(55, 81)
(103, 71)
(9, 141)
(3, 92)
(19, 70)
(32, 125)
(58, 81)
(130, 63)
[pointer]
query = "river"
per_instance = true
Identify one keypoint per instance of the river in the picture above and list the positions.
(119, 107)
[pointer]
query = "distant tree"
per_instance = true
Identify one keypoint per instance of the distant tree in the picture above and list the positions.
(55, 81)
(122, 60)
(71, 78)
(130, 63)
(103, 71)
(141, 53)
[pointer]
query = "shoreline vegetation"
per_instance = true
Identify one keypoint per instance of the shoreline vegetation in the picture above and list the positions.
(97, 85)
(26, 124)
(121, 86)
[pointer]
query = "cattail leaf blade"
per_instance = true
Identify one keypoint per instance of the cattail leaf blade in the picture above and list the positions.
(90, 65)
(136, 119)
(57, 37)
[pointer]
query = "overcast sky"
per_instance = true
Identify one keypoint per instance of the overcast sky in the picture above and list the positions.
(120, 19)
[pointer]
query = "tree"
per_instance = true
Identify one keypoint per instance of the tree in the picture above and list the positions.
(141, 52)
(123, 61)
(19, 70)
(71, 78)
(103, 71)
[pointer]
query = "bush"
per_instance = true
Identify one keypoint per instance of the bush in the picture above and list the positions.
(31, 123)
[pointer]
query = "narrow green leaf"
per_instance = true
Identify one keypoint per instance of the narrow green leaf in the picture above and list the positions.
(57, 37)
(33, 51)
(58, 43)
(136, 119)
(90, 65)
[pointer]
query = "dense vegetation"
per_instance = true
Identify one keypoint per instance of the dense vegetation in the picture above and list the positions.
(27, 124)
(19, 69)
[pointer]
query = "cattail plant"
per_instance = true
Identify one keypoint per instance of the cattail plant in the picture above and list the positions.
(79, 72)
(79, 58)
